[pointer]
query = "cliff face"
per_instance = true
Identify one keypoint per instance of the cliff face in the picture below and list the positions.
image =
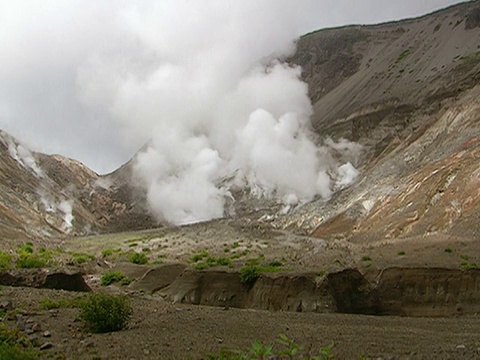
(408, 92)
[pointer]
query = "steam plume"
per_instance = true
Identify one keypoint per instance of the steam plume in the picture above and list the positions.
(211, 110)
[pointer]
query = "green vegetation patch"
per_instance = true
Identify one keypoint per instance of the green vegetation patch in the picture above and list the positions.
(252, 270)
(14, 345)
(403, 55)
(203, 261)
(104, 313)
(27, 258)
(111, 277)
(138, 258)
(49, 304)
(284, 348)
(81, 258)
(468, 265)
(30, 262)
(5, 260)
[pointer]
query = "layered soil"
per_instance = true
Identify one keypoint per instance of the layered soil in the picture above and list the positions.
(160, 330)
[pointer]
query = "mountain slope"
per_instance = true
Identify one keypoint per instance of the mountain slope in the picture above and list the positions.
(44, 196)
(406, 91)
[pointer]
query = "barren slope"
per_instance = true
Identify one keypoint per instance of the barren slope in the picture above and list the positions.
(45, 196)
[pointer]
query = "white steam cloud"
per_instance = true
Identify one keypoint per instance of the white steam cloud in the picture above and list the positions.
(190, 82)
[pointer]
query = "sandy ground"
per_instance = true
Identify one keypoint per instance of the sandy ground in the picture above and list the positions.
(164, 331)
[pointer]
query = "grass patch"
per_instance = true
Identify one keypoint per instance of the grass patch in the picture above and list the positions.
(26, 248)
(111, 277)
(401, 253)
(252, 270)
(5, 260)
(200, 256)
(471, 57)
(448, 250)
(403, 56)
(366, 258)
(80, 258)
(283, 348)
(468, 265)
(138, 258)
(240, 255)
(49, 304)
(211, 261)
(107, 253)
(30, 261)
(105, 313)
(14, 345)
(27, 258)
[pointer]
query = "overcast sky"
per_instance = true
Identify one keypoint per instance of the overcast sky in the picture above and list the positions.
(51, 52)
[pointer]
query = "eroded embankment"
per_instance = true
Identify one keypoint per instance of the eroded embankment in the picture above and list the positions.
(393, 291)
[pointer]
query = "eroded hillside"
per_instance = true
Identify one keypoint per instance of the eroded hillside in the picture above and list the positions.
(407, 92)
(46, 196)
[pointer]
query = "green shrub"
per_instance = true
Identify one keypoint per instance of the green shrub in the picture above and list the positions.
(468, 265)
(200, 256)
(285, 348)
(5, 260)
(82, 258)
(275, 264)
(249, 274)
(448, 250)
(106, 253)
(105, 313)
(125, 281)
(15, 346)
(222, 261)
(211, 261)
(111, 277)
(30, 261)
(25, 248)
(138, 258)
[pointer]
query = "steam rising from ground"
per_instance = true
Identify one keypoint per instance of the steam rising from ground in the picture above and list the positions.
(216, 117)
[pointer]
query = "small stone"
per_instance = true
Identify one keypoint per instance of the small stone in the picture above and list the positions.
(47, 334)
(36, 327)
(46, 346)
(29, 331)
(461, 347)
(20, 323)
(146, 351)
(6, 305)
(30, 321)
